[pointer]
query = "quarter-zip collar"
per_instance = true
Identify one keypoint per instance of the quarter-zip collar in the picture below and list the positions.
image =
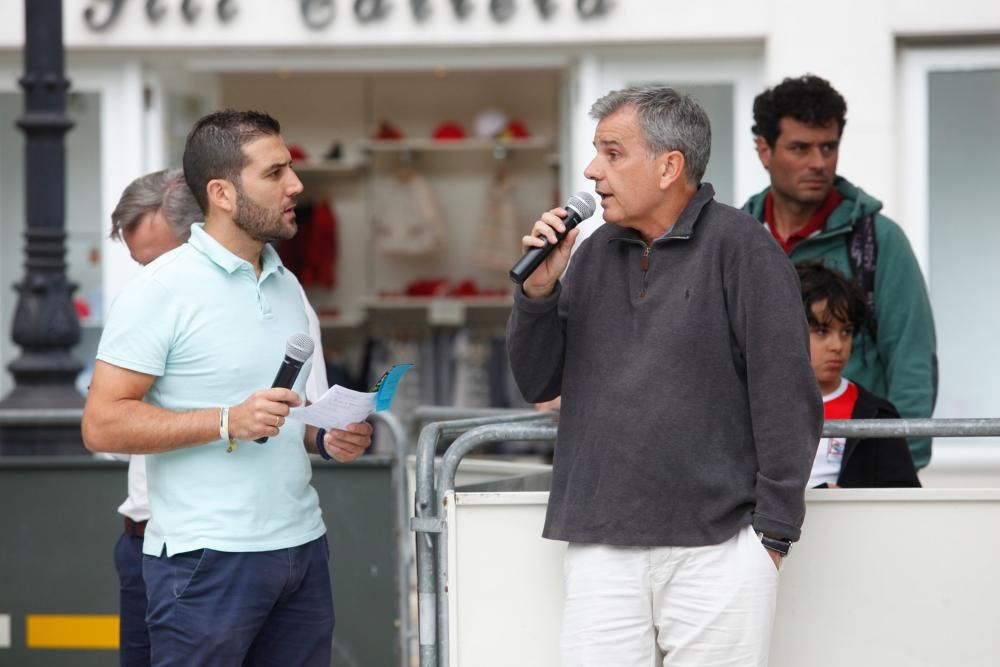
(683, 228)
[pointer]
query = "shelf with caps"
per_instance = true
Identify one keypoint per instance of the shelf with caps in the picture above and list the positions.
(328, 168)
(356, 166)
(497, 146)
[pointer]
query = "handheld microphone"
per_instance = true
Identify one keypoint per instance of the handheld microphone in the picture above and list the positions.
(298, 348)
(579, 207)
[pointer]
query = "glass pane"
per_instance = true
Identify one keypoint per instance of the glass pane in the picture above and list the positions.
(964, 207)
(11, 225)
(717, 99)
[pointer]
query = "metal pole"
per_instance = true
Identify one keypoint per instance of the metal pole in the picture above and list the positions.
(42, 417)
(904, 428)
(403, 545)
(426, 414)
(45, 323)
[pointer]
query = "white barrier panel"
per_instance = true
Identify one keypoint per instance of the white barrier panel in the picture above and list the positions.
(881, 578)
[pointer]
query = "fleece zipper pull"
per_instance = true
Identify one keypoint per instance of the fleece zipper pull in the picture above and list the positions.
(644, 265)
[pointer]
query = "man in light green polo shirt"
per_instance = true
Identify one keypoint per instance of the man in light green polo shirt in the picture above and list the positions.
(235, 553)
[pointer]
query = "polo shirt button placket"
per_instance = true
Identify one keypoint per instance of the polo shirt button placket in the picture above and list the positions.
(262, 305)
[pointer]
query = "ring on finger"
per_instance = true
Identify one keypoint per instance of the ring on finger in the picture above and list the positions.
(277, 420)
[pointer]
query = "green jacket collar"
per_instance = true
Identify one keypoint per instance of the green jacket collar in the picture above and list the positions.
(856, 205)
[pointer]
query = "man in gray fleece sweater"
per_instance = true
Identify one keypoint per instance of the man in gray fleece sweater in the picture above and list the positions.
(690, 413)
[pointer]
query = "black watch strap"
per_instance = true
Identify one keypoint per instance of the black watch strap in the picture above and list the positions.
(774, 544)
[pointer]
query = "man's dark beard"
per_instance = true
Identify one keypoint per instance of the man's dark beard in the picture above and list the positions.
(259, 223)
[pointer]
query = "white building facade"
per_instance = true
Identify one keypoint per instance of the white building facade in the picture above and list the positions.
(922, 84)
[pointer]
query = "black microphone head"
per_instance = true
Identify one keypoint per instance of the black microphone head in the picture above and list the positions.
(299, 347)
(583, 203)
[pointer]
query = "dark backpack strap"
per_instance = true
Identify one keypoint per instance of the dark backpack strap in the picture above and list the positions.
(862, 250)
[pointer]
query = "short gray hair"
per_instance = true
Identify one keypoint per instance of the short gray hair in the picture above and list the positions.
(670, 121)
(159, 191)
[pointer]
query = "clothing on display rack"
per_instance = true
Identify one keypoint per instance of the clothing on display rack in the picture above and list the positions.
(472, 371)
(408, 219)
(500, 233)
(466, 367)
(393, 351)
(312, 253)
(387, 131)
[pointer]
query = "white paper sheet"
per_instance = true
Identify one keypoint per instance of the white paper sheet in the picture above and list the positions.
(337, 408)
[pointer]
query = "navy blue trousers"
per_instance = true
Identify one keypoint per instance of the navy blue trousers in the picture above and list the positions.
(133, 638)
(263, 608)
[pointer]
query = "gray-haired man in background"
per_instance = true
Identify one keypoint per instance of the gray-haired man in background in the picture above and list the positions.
(153, 215)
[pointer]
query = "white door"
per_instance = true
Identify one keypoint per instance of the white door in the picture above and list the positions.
(951, 144)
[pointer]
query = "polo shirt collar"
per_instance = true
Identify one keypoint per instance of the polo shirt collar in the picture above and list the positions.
(204, 243)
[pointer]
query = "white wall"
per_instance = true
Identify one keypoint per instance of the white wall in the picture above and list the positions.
(268, 23)
(868, 585)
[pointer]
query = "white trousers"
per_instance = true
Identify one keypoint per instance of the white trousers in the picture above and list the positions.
(689, 606)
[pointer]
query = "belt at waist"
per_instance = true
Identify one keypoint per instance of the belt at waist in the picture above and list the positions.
(135, 528)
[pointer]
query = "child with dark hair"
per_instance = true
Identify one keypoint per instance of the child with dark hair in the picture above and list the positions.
(835, 309)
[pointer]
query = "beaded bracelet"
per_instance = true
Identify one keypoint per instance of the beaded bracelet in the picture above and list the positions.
(319, 444)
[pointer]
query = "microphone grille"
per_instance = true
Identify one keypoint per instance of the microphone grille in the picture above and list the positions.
(299, 347)
(583, 203)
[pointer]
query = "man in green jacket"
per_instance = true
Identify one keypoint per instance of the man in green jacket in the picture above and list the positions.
(815, 214)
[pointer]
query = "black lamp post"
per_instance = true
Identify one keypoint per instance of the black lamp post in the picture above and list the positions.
(45, 322)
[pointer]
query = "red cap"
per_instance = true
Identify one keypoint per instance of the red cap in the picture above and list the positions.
(449, 131)
(387, 130)
(515, 130)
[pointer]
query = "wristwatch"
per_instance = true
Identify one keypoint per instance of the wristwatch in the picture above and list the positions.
(776, 545)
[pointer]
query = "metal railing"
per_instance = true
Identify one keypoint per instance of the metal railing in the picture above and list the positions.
(427, 521)
(41, 416)
(473, 428)
(401, 440)
(404, 550)
(907, 428)
(430, 524)
(401, 437)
